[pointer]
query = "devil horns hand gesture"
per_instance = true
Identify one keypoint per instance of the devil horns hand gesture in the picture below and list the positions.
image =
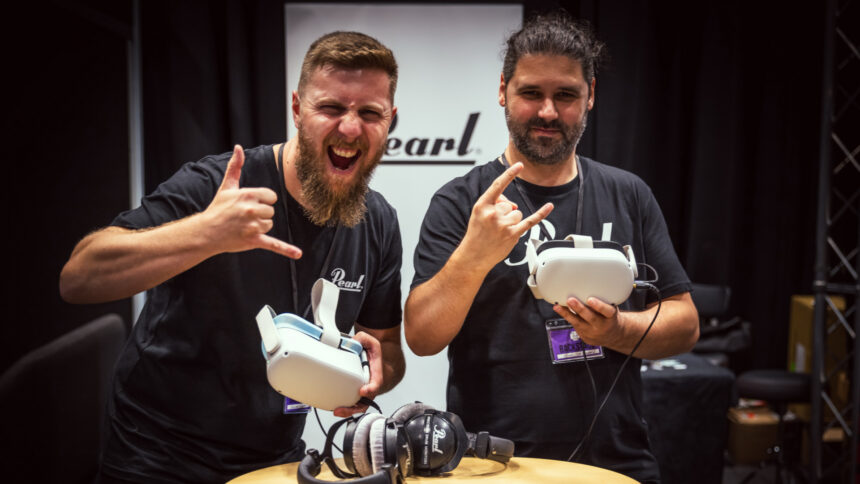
(496, 223)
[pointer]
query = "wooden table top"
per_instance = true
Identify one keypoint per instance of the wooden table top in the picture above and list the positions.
(518, 470)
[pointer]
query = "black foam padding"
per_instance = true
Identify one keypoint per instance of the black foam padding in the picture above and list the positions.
(569, 244)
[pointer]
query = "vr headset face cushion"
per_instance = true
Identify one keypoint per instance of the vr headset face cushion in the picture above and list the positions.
(361, 456)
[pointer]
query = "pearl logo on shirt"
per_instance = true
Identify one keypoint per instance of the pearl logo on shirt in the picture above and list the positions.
(338, 277)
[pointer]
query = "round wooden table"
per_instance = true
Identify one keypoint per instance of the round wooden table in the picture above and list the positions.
(518, 470)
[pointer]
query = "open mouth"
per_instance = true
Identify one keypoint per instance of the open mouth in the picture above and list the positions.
(343, 158)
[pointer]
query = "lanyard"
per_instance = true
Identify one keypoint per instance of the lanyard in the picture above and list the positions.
(293, 270)
(579, 197)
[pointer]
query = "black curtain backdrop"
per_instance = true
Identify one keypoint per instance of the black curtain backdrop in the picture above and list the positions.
(65, 132)
(213, 76)
(714, 104)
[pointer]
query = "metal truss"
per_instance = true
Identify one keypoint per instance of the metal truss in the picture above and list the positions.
(836, 386)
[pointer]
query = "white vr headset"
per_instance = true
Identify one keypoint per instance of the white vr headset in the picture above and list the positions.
(314, 364)
(581, 268)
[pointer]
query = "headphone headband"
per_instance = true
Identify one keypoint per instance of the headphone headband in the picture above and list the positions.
(326, 455)
(312, 463)
(485, 446)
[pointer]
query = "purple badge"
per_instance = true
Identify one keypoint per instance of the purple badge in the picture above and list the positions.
(566, 346)
(293, 407)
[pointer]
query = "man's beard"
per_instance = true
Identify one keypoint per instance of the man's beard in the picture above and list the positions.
(327, 206)
(545, 150)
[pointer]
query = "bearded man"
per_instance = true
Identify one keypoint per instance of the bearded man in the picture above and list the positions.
(470, 294)
(221, 238)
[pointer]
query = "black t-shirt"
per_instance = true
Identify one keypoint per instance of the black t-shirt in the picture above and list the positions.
(501, 377)
(191, 401)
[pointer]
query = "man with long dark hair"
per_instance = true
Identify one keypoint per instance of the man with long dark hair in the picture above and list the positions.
(470, 293)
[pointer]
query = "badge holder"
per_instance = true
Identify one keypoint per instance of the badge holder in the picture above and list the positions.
(565, 345)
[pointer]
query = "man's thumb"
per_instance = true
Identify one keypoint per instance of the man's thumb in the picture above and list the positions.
(234, 169)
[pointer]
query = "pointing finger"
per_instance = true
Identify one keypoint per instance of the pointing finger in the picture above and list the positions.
(499, 184)
(234, 169)
(279, 246)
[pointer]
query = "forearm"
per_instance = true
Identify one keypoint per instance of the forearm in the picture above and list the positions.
(393, 365)
(435, 310)
(116, 263)
(675, 331)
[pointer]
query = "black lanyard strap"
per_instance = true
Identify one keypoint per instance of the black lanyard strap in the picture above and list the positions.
(579, 198)
(293, 270)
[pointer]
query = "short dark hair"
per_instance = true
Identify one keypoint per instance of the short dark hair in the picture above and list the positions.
(555, 34)
(349, 50)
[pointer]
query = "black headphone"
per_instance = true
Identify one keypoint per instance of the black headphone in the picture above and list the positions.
(416, 439)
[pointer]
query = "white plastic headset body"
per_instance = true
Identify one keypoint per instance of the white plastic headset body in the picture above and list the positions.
(581, 268)
(314, 364)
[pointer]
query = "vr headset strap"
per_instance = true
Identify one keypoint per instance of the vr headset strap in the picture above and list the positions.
(531, 259)
(268, 330)
(632, 258)
(324, 297)
(581, 241)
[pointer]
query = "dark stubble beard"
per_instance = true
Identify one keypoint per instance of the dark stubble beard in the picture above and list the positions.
(545, 151)
(325, 205)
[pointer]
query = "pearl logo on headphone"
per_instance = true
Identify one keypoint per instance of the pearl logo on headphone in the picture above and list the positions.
(437, 434)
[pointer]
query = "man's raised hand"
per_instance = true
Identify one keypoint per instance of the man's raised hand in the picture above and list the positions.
(496, 224)
(239, 218)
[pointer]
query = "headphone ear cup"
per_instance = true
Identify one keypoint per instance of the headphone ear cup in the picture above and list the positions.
(390, 447)
(404, 413)
(377, 444)
(438, 440)
(361, 458)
